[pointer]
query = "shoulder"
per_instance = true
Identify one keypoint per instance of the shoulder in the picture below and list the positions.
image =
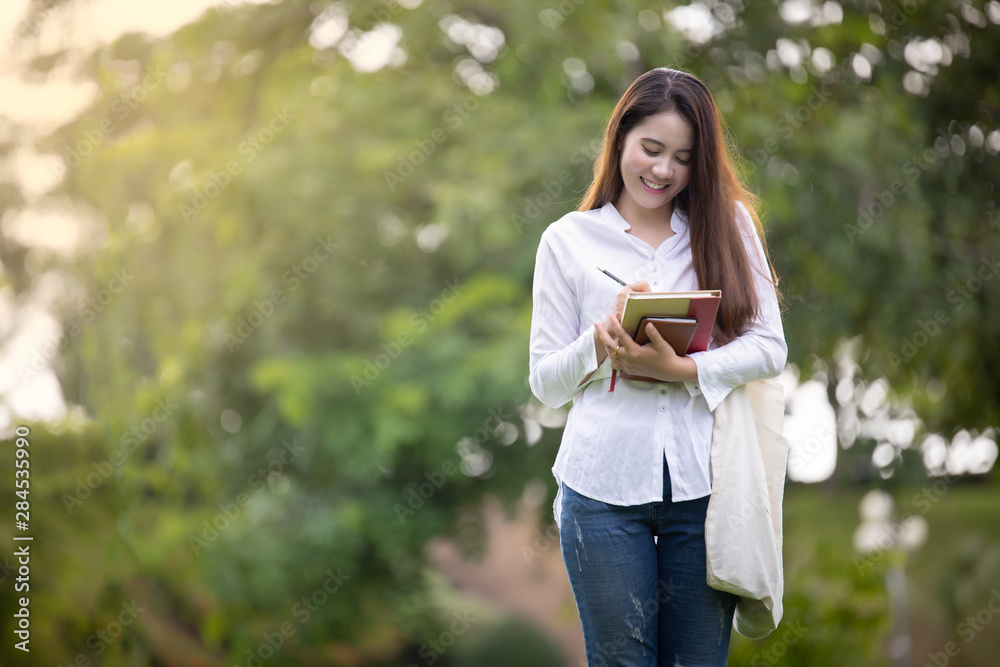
(749, 229)
(743, 217)
(573, 227)
(751, 233)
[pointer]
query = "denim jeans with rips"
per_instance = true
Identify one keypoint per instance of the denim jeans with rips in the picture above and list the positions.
(644, 601)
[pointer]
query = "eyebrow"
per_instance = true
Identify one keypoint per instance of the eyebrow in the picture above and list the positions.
(660, 143)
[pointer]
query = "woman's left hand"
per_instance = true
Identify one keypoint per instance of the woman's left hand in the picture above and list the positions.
(656, 359)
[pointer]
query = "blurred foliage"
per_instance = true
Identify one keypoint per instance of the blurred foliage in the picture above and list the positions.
(833, 615)
(301, 331)
(513, 643)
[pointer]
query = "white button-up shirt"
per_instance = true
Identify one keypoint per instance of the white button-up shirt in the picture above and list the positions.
(614, 444)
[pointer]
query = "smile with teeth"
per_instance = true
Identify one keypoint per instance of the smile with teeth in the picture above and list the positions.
(651, 185)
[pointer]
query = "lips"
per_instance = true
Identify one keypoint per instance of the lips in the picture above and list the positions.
(656, 187)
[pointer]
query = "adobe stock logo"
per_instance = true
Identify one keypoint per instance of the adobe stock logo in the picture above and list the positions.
(418, 323)
(961, 293)
(123, 105)
(263, 478)
(553, 17)
(408, 164)
(265, 307)
(130, 441)
(967, 630)
(251, 146)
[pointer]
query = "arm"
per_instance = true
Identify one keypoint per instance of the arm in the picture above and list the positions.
(561, 357)
(759, 353)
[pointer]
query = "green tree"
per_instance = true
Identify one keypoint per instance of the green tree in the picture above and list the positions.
(326, 271)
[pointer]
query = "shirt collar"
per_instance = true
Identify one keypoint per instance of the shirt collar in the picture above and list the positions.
(678, 221)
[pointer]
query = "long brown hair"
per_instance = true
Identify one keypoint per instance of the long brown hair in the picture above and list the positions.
(709, 200)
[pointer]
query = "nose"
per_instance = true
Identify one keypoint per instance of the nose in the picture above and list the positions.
(663, 169)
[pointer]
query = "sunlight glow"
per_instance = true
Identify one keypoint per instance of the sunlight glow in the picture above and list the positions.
(695, 21)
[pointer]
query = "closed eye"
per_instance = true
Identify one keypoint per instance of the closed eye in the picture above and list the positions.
(655, 153)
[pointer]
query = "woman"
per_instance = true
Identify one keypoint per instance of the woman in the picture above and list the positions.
(666, 212)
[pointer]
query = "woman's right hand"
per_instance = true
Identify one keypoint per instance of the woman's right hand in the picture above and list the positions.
(616, 314)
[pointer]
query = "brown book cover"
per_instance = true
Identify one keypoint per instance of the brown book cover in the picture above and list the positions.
(678, 331)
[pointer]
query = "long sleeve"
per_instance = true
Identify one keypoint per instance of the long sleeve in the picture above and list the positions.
(561, 356)
(615, 444)
(759, 353)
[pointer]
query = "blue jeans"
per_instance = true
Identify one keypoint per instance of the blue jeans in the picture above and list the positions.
(644, 602)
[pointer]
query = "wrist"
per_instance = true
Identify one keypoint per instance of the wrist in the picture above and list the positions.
(599, 348)
(682, 369)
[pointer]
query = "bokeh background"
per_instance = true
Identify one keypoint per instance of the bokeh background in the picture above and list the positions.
(265, 301)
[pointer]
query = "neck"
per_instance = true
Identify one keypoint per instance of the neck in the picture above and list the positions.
(644, 218)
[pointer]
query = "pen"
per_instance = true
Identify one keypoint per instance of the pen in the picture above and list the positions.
(614, 372)
(612, 276)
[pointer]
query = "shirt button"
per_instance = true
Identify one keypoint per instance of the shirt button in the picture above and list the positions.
(654, 269)
(663, 408)
(663, 392)
(652, 258)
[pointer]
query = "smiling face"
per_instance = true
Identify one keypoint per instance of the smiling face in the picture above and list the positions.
(655, 166)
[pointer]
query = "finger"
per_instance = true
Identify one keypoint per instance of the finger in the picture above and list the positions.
(610, 350)
(638, 286)
(619, 307)
(606, 338)
(657, 341)
(654, 334)
(619, 332)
